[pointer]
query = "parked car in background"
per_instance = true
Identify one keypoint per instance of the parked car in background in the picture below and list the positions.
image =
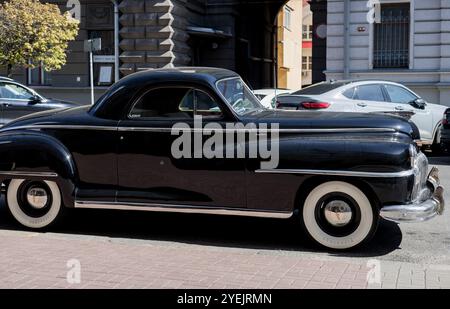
(268, 97)
(445, 131)
(119, 155)
(374, 96)
(17, 100)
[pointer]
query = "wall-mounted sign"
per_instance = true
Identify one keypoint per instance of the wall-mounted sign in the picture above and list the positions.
(104, 59)
(105, 76)
(100, 16)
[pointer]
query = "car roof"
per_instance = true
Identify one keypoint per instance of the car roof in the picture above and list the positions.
(200, 74)
(2, 78)
(345, 82)
(333, 86)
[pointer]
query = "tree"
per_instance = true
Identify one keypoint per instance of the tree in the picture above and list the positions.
(34, 34)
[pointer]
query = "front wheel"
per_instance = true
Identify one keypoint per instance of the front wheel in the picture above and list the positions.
(339, 216)
(34, 204)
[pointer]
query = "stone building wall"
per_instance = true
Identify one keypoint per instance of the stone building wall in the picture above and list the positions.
(153, 34)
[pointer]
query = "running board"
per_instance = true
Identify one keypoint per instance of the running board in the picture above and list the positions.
(184, 209)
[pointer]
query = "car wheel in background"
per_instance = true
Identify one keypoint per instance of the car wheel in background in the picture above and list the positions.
(339, 216)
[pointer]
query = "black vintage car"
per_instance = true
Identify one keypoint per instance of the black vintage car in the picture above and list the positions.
(17, 100)
(337, 173)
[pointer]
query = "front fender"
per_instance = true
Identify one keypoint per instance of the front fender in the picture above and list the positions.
(37, 156)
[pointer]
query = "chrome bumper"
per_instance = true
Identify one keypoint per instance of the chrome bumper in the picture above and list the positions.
(428, 205)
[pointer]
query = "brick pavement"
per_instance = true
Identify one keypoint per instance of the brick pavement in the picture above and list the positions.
(34, 260)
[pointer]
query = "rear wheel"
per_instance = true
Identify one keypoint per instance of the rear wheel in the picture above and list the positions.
(34, 204)
(339, 216)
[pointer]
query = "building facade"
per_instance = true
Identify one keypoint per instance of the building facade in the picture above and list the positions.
(407, 41)
(142, 34)
(307, 44)
(289, 45)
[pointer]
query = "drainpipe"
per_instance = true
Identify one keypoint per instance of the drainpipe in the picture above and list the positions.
(346, 39)
(116, 40)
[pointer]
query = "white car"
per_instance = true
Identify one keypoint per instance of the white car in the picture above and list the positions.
(374, 96)
(268, 97)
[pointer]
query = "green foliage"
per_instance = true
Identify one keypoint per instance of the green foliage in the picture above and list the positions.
(33, 33)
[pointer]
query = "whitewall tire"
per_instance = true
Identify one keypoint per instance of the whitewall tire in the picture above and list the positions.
(339, 216)
(34, 204)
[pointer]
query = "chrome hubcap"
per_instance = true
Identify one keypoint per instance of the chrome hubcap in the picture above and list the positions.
(338, 213)
(37, 197)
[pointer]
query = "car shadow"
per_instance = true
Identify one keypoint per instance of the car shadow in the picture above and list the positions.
(207, 230)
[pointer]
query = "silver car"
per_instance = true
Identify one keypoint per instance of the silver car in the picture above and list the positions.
(374, 96)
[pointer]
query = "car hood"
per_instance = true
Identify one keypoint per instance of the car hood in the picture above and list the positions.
(334, 120)
(62, 103)
(43, 116)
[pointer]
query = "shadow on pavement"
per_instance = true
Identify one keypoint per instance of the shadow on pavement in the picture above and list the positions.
(233, 232)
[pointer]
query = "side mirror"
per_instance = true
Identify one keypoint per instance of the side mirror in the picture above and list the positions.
(35, 99)
(419, 103)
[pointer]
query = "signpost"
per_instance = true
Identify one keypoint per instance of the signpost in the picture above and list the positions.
(91, 46)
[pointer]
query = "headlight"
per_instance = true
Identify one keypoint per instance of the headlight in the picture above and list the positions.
(419, 163)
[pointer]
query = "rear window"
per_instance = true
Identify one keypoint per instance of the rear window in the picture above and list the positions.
(320, 88)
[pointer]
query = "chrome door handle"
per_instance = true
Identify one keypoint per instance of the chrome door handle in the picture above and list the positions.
(362, 104)
(399, 108)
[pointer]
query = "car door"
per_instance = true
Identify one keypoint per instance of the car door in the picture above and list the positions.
(401, 99)
(18, 101)
(150, 168)
(371, 98)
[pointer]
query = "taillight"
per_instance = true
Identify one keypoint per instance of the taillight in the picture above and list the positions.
(315, 105)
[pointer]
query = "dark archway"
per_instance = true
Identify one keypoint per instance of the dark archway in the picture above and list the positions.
(245, 38)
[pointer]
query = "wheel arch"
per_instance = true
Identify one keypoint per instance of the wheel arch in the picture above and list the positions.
(309, 184)
(38, 156)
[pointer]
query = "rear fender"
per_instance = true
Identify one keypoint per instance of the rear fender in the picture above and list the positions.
(38, 156)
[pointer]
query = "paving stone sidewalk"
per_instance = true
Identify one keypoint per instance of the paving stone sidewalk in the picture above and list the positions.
(34, 260)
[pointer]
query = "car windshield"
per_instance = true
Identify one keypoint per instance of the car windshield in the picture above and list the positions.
(239, 96)
(320, 88)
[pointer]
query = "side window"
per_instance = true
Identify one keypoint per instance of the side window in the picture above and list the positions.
(12, 91)
(206, 106)
(175, 103)
(370, 93)
(400, 95)
(349, 93)
(162, 103)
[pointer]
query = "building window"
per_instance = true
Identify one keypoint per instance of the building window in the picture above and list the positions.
(307, 63)
(307, 32)
(287, 17)
(38, 77)
(392, 37)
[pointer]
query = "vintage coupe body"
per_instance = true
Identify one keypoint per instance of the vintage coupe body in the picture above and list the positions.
(337, 173)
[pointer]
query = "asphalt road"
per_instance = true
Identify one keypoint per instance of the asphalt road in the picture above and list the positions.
(423, 243)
